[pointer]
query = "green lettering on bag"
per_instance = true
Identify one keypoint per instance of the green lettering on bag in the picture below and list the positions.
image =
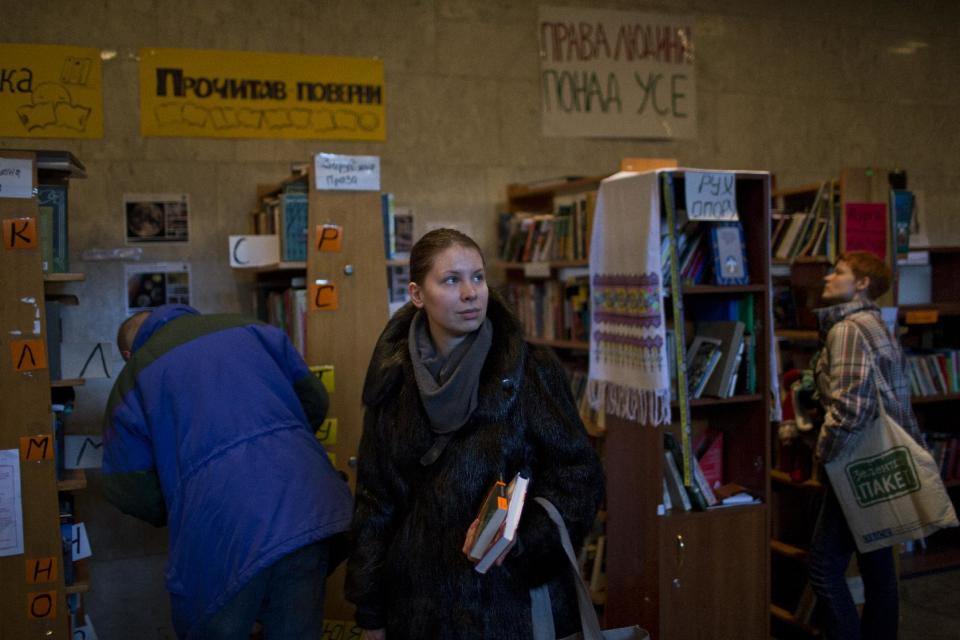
(883, 477)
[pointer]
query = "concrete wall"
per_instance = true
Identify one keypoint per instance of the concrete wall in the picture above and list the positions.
(798, 88)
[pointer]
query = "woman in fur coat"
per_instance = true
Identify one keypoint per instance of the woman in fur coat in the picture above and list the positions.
(455, 400)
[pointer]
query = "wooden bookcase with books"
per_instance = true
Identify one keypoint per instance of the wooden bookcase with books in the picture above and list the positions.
(543, 254)
(664, 565)
(41, 583)
(344, 310)
(930, 331)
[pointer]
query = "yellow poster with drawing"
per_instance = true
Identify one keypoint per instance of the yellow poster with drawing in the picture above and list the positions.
(236, 94)
(50, 91)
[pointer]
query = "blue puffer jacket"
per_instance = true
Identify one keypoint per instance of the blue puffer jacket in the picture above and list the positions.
(209, 429)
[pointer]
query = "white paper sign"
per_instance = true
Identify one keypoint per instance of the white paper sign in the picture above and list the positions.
(711, 195)
(85, 632)
(80, 545)
(86, 359)
(346, 173)
(254, 251)
(16, 178)
(11, 507)
(82, 452)
(617, 74)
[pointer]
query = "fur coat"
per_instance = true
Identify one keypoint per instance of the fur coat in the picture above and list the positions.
(407, 572)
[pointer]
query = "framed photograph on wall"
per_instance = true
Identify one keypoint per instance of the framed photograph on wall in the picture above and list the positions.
(156, 218)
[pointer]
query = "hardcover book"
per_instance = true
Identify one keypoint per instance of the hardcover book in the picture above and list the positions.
(516, 493)
(492, 513)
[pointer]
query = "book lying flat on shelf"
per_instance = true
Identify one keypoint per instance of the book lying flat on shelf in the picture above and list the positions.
(503, 536)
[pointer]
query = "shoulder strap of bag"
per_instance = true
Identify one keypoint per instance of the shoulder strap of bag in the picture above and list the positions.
(543, 628)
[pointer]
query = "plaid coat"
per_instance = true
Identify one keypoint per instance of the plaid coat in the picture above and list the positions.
(859, 354)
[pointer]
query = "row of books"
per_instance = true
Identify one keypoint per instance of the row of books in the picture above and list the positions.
(563, 234)
(287, 310)
(935, 373)
(284, 213)
(553, 309)
(716, 360)
(807, 233)
(945, 449)
(54, 236)
(397, 228)
(706, 490)
(711, 252)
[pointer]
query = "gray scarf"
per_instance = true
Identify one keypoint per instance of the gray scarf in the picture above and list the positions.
(448, 385)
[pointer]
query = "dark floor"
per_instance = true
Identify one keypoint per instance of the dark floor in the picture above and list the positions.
(930, 606)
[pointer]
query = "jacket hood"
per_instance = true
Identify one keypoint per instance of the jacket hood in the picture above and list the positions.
(500, 376)
(157, 319)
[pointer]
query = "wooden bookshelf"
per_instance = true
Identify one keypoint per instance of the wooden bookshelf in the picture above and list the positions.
(81, 578)
(572, 345)
(68, 382)
(798, 335)
(72, 480)
(782, 477)
(64, 277)
(278, 266)
(552, 264)
(788, 550)
(785, 616)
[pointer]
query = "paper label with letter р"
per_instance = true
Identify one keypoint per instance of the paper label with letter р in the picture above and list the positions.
(883, 477)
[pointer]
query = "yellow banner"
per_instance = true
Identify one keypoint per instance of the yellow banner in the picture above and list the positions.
(50, 91)
(235, 94)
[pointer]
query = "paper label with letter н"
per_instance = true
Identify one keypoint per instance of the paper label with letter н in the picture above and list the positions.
(883, 477)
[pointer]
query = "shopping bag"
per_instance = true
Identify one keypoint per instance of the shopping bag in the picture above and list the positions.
(540, 607)
(889, 487)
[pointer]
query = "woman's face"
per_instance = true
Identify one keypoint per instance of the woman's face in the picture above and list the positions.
(841, 285)
(454, 295)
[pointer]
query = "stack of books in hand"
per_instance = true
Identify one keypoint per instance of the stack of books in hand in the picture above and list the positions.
(499, 518)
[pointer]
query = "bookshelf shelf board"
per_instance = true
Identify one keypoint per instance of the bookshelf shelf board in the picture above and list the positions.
(68, 382)
(712, 289)
(715, 512)
(550, 188)
(937, 557)
(798, 335)
(398, 262)
(553, 264)
(710, 402)
(73, 479)
(782, 614)
(942, 308)
(593, 429)
(81, 580)
(573, 345)
(943, 397)
(788, 550)
(813, 187)
(64, 277)
(279, 266)
(782, 477)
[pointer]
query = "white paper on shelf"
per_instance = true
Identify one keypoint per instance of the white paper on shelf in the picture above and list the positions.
(11, 505)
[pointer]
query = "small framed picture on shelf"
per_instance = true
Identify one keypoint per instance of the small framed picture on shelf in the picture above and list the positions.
(702, 357)
(729, 254)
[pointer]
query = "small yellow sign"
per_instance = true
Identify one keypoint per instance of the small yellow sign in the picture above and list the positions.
(36, 448)
(50, 91)
(327, 433)
(28, 355)
(922, 316)
(325, 374)
(41, 570)
(323, 296)
(20, 233)
(329, 238)
(42, 604)
(238, 94)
